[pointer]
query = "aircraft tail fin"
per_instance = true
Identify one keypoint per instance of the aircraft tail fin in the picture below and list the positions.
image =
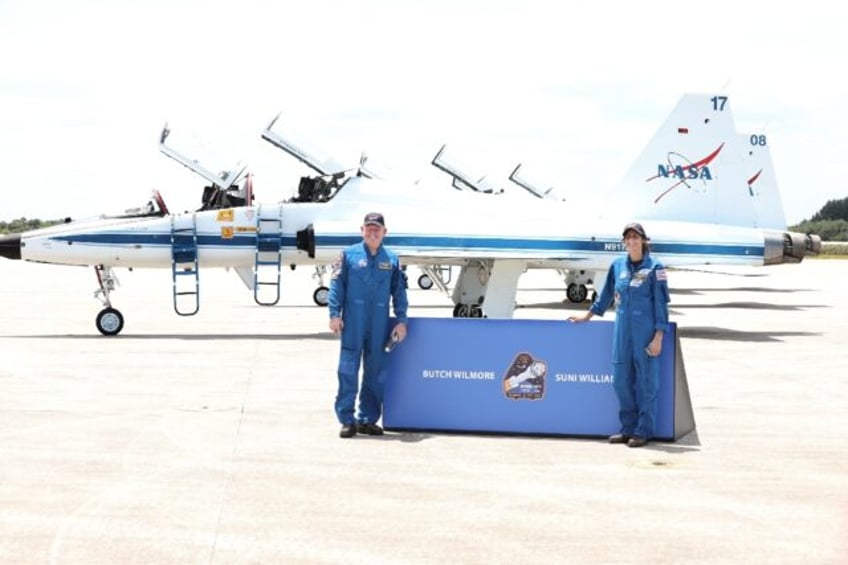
(762, 182)
(764, 193)
(691, 170)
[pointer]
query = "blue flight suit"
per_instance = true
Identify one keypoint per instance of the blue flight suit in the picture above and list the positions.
(359, 292)
(641, 294)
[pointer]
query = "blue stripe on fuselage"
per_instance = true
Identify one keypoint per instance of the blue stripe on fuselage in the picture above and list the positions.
(458, 243)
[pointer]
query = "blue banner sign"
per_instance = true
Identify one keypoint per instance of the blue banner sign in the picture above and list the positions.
(513, 376)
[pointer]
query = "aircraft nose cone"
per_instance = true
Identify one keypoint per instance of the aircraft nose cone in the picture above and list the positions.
(10, 246)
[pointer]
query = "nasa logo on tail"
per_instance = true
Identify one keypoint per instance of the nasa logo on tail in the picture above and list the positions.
(755, 140)
(525, 378)
(682, 170)
(751, 182)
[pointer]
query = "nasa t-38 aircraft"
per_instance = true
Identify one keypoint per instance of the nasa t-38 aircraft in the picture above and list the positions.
(688, 188)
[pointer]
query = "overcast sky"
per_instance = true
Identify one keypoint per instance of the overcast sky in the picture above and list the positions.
(572, 90)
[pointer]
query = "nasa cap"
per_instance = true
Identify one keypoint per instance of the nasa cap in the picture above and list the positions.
(637, 227)
(374, 219)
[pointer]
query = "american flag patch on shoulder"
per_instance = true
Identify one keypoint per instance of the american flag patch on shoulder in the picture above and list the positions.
(661, 275)
(336, 268)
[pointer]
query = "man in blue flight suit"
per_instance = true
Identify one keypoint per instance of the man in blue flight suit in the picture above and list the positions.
(365, 276)
(639, 285)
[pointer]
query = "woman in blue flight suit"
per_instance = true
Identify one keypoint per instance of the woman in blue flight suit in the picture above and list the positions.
(638, 284)
(365, 277)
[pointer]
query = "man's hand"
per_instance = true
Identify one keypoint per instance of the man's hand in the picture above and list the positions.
(336, 325)
(655, 347)
(399, 331)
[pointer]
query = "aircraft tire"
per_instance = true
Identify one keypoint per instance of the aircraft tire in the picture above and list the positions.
(468, 311)
(109, 321)
(425, 282)
(321, 296)
(576, 293)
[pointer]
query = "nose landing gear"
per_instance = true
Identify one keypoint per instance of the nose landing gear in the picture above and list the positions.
(109, 321)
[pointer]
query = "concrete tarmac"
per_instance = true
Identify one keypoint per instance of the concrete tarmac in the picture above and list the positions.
(212, 438)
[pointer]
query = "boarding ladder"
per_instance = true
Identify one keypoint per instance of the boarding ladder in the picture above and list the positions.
(269, 254)
(184, 264)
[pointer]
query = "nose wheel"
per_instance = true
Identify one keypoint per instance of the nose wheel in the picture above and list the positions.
(321, 296)
(109, 321)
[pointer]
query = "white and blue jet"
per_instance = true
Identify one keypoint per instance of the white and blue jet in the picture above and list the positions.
(688, 188)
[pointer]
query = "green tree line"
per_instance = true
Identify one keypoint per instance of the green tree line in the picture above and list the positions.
(22, 224)
(831, 222)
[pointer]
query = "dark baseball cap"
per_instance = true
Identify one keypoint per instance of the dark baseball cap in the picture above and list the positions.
(635, 227)
(374, 218)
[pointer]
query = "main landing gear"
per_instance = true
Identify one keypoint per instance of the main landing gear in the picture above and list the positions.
(468, 311)
(577, 284)
(321, 296)
(576, 293)
(109, 321)
(435, 275)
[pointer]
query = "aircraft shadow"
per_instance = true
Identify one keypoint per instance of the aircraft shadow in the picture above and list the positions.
(720, 273)
(726, 334)
(313, 307)
(327, 336)
(748, 306)
(737, 289)
(282, 306)
(556, 305)
(560, 289)
(698, 290)
(559, 305)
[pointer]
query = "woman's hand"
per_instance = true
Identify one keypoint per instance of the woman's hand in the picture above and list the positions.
(585, 317)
